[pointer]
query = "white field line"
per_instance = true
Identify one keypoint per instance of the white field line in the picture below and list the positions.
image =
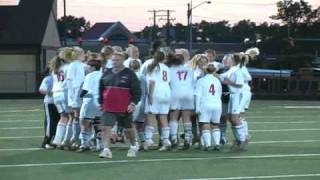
(283, 116)
(15, 121)
(21, 137)
(17, 111)
(285, 122)
(283, 130)
(297, 107)
(253, 142)
(21, 128)
(159, 160)
(21, 149)
(252, 131)
(259, 177)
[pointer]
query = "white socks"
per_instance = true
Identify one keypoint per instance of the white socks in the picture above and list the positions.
(188, 132)
(173, 124)
(215, 135)
(149, 132)
(68, 133)
(206, 136)
(61, 130)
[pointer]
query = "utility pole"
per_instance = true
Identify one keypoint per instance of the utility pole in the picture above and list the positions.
(65, 26)
(153, 31)
(159, 14)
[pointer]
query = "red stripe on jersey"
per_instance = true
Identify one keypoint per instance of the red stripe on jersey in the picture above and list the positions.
(116, 99)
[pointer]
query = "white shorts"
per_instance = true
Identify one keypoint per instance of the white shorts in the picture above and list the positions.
(74, 99)
(182, 103)
(138, 113)
(245, 100)
(157, 107)
(234, 104)
(89, 110)
(60, 100)
(210, 115)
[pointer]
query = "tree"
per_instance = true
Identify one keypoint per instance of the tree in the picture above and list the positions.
(72, 27)
(295, 12)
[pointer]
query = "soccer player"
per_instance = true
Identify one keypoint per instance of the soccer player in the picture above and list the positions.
(133, 53)
(198, 64)
(58, 67)
(245, 93)
(211, 55)
(89, 111)
(182, 101)
(234, 79)
(158, 99)
(208, 107)
(75, 77)
(119, 92)
(138, 113)
(51, 113)
(106, 53)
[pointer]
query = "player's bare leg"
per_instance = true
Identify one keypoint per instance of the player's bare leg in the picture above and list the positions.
(165, 132)
(186, 116)
(173, 123)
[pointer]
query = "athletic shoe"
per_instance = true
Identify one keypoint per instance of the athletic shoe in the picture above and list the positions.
(83, 149)
(48, 146)
(106, 153)
(174, 144)
(132, 152)
(166, 145)
(147, 144)
(223, 141)
(216, 148)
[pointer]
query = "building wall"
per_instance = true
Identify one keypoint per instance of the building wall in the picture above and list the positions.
(17, 73)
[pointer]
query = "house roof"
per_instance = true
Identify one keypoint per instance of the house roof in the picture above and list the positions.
(26, 23)
(106, 30)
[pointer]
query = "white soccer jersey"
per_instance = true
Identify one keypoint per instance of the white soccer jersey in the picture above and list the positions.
(197, 73)
(217, 65)
(59, 79)
(209, 91)
(182, 87)
(46, 85)
(75, 74)
(246, 77)
(162, 92)
(235, 75)
(109, 64)
(127, 62)
(144, 66)
(91, 83)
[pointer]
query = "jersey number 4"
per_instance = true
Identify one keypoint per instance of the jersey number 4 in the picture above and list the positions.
(182, 75)
(211, 89)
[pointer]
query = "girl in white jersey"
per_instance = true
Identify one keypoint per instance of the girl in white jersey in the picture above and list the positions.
(158, 97)
(209, 107)
(198, 64)
(75, 77)
(245, 94)
(89, 109)
(182, 101)
(58, 67)
(138, 113)
(234, 79)
(133, 53)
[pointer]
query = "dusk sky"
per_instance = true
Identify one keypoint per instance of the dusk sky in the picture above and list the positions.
(134, 13)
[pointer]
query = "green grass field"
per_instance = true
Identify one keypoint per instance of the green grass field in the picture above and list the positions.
(285, 144)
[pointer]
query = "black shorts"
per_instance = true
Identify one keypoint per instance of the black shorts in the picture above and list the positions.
(123, 119)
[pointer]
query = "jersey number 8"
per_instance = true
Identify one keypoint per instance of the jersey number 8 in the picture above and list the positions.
(164, 75)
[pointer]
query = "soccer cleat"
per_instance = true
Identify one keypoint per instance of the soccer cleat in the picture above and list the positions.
(166, 145)
(48, 146)
(223, 141)
(147, 144)
(174, 144)
(216, 148)
(106, 153)
(83, 149)
(132, 152)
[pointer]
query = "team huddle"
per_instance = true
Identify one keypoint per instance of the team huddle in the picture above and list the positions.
(98, 97)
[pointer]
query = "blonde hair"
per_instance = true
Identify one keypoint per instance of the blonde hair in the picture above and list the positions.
(195, 60)
(55, 63)
(117, 48)
(131, 48)
(66, 53)
(106, 52)
(185, 53)
(77, 52)
(118, 53)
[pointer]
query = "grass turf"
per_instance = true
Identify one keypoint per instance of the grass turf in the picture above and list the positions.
(259, 160)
